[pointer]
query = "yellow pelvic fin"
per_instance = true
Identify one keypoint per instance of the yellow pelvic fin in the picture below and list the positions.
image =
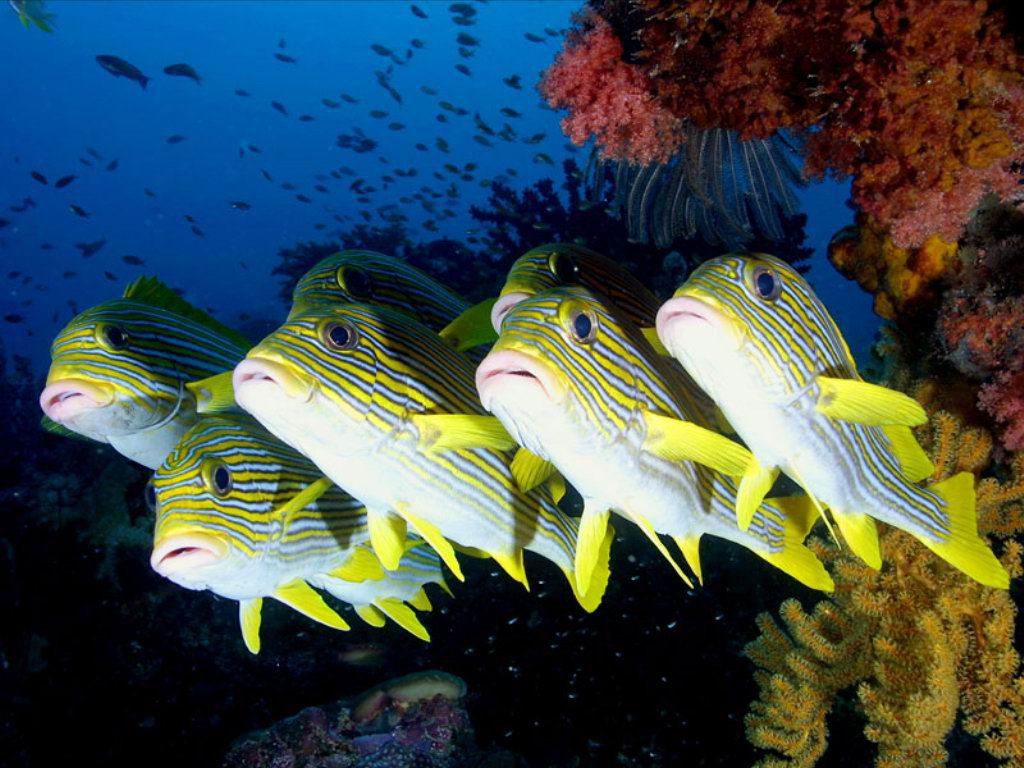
(861, 536)
(513, 566)
(590, 597)
(651, 336)
(304, 599)
(387, 536)
(557, 486)
(690, 547)
(403, 616)
(592, 531)
(530, 470)
(433, 537)
(644, 524)
(303, 498)
(371, 615)
(678, 440)
(362, 565)
(818, 506)
(756, 482)
(869, 404)
(213, 394)
(964, 549)
(914, 462)
(249, 618)
(420, 601)
(456, 431)
(798, 516)
(472, 328)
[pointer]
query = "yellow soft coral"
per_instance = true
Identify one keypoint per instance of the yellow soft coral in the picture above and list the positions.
(917, 639)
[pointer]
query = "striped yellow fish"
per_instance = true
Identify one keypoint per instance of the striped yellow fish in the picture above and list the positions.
(574, 381)
(384, 407)
(119, 370)
(754, 335)
(245, 516)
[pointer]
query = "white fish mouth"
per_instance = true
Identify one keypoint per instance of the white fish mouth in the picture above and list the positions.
(65, 399)
(180, 554)
(255, 374)
(508, 371)
(504, 305)
(684, 316)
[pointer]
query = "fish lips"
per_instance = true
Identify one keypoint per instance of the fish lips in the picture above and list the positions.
(695, 317)
(259, 374)
(511, 371)
(504, 305)
(63, 400)
(176, 555)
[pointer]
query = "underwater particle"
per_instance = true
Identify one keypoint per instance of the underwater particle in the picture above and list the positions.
(183, 70)
(63, 181)
(240, 205)
(279, 107)
(39, 177)
(79, 211)
(121, 68)
(175, 138)
(286, 58)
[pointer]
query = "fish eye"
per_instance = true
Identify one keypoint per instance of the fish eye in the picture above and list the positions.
(583, 328)
(564, 268)
(354, 281)
(111, 336)
(766, 284)
(218, 479)
(338, 335)
(149, 495)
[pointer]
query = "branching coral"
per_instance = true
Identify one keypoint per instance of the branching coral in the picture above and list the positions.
(918, 640)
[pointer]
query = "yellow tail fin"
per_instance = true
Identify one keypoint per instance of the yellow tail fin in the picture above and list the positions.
(964, 549)
(798, 515)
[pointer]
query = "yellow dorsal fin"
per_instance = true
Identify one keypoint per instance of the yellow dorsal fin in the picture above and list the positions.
(249, 613)
(651, 337)
(869, 404)
(371, 615)
(914, 462)
(303, 499)
(420, 601)
(964, 549)
(530, 470)
(513, 566)
(754, 485)
(798, 515)
(456, 431)
(644, 524)
(689, 546)
(304, 599)
(214, 394)
(403, 616)
(592, 531)
(362, 565)
(150, 290)
(678, 440)
(590, 597)
(387, 537)
(430, 533)
(472, 328)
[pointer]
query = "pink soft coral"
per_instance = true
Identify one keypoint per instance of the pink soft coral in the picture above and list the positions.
(1003, 399)
(609, 99)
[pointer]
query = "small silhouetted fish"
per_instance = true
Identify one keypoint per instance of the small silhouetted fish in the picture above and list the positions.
(266, 175)
(483, 140)
(242, 92)
(306, 118)
(94, 153)
(466, 53)
(509, 112)
(442, 118)
(83, 161)
(441, 144)
(110, 276)
(45, 247)
(428, 90)
(287, 185)
(121, 68)
(133, 260)
(380, 50)
(14, 318)
(279, 107)
(464, 70)
(69, 273)
(240, 205)
(149, 192)
(175, 138)
(39, 177)
(4, 223)
(90, 249)
(550, 32)
(78, 211)
(254, 149)
(319, 226)
(197, 231)
(417, 11)
(422, 147)
(416, 43)
(349, 99)
(330, 103)
(396, 126)
(541, 157)
(467, 40)
(463, 21)
(183, 70)
(63, 181)
(112, 165)
(534, 139)
(533, 38)
(321, 188)
(513, 81)
(303, 199)
(286, 58)
(377, 114)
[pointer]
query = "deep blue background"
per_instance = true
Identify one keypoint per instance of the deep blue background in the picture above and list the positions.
(57, 100)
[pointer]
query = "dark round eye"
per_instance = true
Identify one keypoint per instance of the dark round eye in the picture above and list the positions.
(115, 337)
(583, 328)
(220, 479)
(339, 336)
(355, 281)
(150, 496)
(766, 284)
(564, 268)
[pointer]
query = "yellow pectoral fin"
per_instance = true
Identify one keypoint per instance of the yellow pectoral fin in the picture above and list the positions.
(868, 404)
(652, 534)
(304, 599)
(371, 615)
(513, 566)
(456, 431)
(387, 537)
(914, 462)
(472, 328)
(530, 470)
(213, 394)
(303, 499)
(592, 531)
(690, 547)
(404, 616)
(362, 565)
(756, 482)
(651, 336)
(678, 440)
(420, 601)
(434, 538)
(249, 612)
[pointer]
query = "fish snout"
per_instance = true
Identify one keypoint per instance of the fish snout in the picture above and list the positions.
(510, 368)
(64, 399)
(685, 315)
(504, 305)
(255, 372)
(180, 553)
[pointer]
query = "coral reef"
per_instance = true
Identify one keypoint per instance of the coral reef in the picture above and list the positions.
(919, 642)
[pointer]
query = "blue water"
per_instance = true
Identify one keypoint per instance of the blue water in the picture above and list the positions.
(57, 101)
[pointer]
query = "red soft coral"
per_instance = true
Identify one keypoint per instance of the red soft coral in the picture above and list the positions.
(1003, 399)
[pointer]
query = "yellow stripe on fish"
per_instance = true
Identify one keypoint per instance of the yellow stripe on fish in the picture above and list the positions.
(574, 381)
(365, 392)
(753, 334)
(240, 513)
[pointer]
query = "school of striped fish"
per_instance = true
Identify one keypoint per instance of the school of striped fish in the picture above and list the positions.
(389, 428)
